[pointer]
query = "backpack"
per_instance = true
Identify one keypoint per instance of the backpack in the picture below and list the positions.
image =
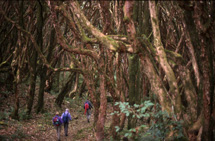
(65, 118)
(86, 106)
(56, 121)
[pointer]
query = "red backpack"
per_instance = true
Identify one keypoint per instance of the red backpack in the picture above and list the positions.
(86, 106)
(56, 121)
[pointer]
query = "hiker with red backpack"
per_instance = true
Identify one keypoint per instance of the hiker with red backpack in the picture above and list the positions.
(87, 107)
(57, 121)
(66, 117)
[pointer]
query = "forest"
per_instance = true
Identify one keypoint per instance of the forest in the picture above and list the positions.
(146, 66)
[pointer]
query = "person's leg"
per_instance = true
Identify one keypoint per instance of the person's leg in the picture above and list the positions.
(66, 126)
(88, 115)
(58, 132)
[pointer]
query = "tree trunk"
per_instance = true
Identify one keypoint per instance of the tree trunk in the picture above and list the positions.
(15, 114)
(16, 65)
(208, 92)
(146, 31)
(200, 15)
(50, 50)
(65, 89)
(75, 87)
(16, 72)
(102, 110)
(190, 93)
(82, 88)
(103, 99)
(117, 95)
(40, 44)
(134, 86)
(33, 76)
(134, 81)
(163, 60)
(55, 84)
(157, 86)
(189, 44)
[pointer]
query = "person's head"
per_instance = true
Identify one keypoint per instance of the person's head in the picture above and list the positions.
(57, 113)
(67, 110)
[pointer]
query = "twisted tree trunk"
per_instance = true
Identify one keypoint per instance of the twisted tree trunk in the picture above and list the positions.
(163, 60)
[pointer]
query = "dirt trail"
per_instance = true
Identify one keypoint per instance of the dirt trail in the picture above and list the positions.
(40, 127)
(79, 130)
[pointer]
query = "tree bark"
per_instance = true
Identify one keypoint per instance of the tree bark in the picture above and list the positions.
(82, 88)
(134, 86)
(32, 68)
(190, 46)
(65, 89)
(102, 110)
(163, 60)
(106, 41)
(16, 65)
(40, 44)
(72, 94)
(134, 81)
(207, 45)
(157, 86)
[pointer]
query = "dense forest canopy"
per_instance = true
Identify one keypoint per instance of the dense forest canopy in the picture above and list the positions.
(119, 51)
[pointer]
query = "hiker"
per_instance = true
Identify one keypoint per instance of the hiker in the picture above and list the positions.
(57, 121)
(66, 117)
(87, 107)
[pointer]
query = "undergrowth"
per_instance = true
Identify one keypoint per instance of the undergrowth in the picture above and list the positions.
(160, 124)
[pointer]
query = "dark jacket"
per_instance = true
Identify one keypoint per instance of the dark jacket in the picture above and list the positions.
(90, 104)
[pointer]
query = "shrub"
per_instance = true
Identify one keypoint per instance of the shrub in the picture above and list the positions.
(160, 126)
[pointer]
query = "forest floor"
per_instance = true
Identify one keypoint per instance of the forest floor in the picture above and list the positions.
(40, 127)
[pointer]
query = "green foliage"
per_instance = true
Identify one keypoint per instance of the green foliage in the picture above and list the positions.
(23, 115)
(137, 111)
(5, 92)
(54, 92)
(161, 123)
(63, 78)
(46, 118)
(4, 115)
(73, 102)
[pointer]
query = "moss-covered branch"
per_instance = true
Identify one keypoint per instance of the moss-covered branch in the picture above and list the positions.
(103, 39)
(42, 57)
